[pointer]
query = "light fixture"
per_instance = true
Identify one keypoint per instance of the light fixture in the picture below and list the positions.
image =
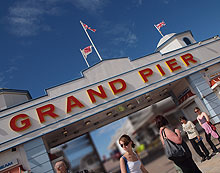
(109, 114)
(147, 96)
(165, 90)
(121, 108)
(87, 122)
(149, 99)
(130, 106)
(64, 132)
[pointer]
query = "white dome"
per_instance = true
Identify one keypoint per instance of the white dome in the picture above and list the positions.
(165, 38)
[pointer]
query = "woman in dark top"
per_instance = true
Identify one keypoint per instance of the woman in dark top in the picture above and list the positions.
(185, 162)
(203, 120)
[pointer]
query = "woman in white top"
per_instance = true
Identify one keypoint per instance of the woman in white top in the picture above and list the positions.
(194, 138)
(130, 162)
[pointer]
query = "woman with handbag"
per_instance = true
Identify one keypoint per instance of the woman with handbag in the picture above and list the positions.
(194, 138)
(175, 148)
(130, 161)
(204, 120)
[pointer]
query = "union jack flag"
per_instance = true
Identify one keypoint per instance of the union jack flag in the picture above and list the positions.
(161, 24)
(87, 27)
(86, 51)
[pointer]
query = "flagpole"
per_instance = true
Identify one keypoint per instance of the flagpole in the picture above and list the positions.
(91, 41)
(159, 31)
(84, 58)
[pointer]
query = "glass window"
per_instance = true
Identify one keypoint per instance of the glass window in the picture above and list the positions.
(187, 41)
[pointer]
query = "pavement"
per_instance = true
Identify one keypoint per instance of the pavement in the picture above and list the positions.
(163, 165)
(210, 166)
(158, 162)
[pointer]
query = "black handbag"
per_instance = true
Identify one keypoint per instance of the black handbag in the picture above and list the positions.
(172, 150)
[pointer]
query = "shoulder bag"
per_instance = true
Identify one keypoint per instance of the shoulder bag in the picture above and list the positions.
(172, 150)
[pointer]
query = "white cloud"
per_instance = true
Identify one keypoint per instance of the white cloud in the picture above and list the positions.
(2, 77)
(92, 6)
(6, 75)
(167, 1)
(138, 2)
(11, 69)
(122, 33)
(25, 18)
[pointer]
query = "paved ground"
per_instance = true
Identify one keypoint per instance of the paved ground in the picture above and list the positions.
(211, 166)
(158, 163)
(163, 165)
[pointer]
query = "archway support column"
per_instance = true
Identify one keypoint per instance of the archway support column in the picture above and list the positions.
(202, 89)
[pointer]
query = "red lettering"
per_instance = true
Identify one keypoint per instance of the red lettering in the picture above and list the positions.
(145, 73)
(172, 65)
(117, 90)
(188, 58)
(75, 102)
(92, 92)
(26, 123)
(159, 68)
(46, 110)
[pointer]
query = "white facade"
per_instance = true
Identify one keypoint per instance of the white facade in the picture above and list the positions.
(106, 92)
(174, 41)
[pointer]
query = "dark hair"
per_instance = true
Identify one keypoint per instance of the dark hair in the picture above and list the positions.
(126, 138)
(183, 118)
(196, 108)
(161, 121)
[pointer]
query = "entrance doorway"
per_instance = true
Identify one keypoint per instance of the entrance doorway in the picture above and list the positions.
(76, 146)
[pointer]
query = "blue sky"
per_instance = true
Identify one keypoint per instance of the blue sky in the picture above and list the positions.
(40, 39)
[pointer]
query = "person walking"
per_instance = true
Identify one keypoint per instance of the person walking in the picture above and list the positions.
(130, 161)
(185, 162)
(203, 120)
(194, 138)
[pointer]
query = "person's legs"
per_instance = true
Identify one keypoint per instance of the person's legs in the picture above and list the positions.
(208, 139)
(187, 165)
(196, 148)
(203, 147)
(193, 166)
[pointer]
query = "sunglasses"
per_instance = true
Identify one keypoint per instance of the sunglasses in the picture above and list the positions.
(125, 144)
(196, 111)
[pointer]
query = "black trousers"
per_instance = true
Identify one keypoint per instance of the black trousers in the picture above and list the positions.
(197, 147)
(208, 139)
(187, 165)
